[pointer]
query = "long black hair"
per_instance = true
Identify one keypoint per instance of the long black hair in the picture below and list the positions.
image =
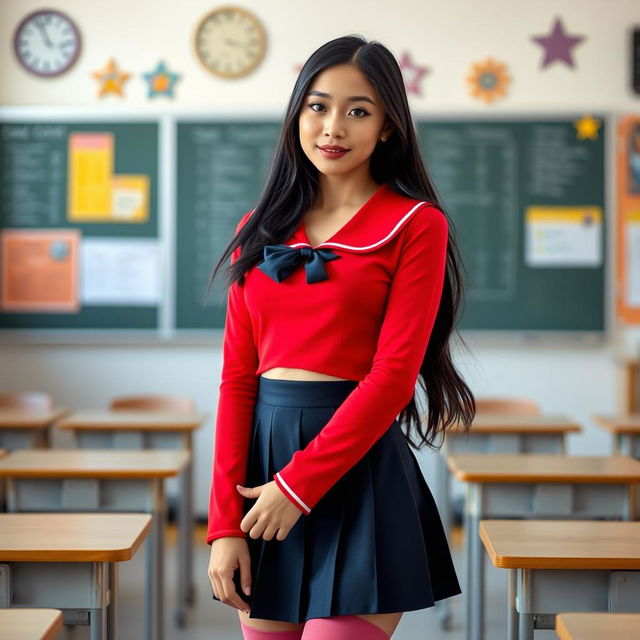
(291, 189)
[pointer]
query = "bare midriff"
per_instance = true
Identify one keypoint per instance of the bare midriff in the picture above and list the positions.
(287, 373)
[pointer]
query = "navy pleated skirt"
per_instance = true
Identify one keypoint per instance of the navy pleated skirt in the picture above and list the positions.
(374, 543)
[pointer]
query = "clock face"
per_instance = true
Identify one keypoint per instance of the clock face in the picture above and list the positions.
(230, 42)
(47, 43)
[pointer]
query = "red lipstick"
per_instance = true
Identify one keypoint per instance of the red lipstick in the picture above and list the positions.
(332, 151)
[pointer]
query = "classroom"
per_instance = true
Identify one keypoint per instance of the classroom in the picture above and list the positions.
(137, 139)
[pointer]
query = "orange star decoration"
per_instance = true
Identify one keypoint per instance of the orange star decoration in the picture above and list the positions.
(111, 79)
(587, 128)
(488, 80)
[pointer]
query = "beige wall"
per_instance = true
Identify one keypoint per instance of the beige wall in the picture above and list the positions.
(446, 36)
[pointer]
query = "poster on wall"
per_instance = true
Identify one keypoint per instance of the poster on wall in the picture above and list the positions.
(628, 224)
(39, 270)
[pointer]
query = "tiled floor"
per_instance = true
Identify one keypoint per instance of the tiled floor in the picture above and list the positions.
(212, 620)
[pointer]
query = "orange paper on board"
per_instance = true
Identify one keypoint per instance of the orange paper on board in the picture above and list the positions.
(628, 219)
(39, 270)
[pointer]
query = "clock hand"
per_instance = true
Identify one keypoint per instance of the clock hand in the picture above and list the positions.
(44, 35)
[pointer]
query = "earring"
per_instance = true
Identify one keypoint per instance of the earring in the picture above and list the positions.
(383, 139)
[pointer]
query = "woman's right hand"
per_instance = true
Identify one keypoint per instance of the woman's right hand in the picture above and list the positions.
(227, 555)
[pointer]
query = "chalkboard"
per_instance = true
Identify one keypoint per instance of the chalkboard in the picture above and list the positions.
(528, 202)
(221, 171)
(527, 197)
(79, 223)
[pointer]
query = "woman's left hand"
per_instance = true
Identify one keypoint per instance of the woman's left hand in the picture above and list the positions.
(272, 514)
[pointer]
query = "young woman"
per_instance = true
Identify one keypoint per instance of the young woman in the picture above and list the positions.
(344, 290)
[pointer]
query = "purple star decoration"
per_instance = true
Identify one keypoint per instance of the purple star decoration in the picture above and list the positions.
(557, 45)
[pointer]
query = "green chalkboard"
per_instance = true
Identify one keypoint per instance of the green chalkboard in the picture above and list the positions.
(528, 202)
(42, 164)
(221, 171)
(527, 197)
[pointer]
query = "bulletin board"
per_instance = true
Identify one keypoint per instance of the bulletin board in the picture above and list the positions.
(79, 225)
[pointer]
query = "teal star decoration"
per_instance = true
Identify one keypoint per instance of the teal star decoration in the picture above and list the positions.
(161, 81)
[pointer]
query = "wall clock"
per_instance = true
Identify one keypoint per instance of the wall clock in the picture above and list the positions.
(230, 41)
(47, 43)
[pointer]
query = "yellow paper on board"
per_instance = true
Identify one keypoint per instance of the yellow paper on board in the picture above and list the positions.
(89, 176)
(130, 198)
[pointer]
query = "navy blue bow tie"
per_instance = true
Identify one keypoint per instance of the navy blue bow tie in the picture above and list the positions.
(281, 260)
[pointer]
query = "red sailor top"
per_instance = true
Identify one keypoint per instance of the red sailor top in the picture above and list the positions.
(369, 320)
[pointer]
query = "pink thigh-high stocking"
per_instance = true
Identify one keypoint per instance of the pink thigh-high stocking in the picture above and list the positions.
(342, 628)
(249, 633)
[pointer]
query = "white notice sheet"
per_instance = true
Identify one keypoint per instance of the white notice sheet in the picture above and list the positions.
(116, 271)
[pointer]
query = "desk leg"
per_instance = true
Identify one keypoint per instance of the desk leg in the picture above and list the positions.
(525, 626)
(477, 563)
(512, 613)
(154, 596)
(524, 589)
(183, 551)
(191, 593)
(467, 566)
(149, 591)
(444, 491)
(160, 517)
(98, 624)
(112, 610)
(618, 446)
(100, 574)
(186, 590)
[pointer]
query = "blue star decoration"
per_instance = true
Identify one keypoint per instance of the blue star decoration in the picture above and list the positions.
(161, 81)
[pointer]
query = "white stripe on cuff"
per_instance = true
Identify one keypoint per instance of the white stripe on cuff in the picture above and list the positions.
(292, 493)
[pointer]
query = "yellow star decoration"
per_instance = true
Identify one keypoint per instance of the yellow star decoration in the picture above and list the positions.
(587, 128)
(111, 79)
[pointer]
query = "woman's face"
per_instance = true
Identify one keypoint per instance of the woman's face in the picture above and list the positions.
(342, 109)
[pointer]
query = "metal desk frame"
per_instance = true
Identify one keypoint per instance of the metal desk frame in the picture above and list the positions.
(84, 591)
(105, 438)
(105, 495)
(528, 441)
(530, 500)
(536, 596)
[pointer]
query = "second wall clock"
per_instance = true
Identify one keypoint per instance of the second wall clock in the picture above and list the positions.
(230, 41)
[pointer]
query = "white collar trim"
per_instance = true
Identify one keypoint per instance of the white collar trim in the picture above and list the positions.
(366, 248)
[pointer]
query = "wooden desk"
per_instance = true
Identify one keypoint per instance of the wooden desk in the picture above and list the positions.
(535, 486)
(543, 556)
(120, 429)
(62, 480)
(596, 626)
(30, 624)
(625, 429)
(68, 562)
(500, 433)
(497, 433)
(27, 428)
